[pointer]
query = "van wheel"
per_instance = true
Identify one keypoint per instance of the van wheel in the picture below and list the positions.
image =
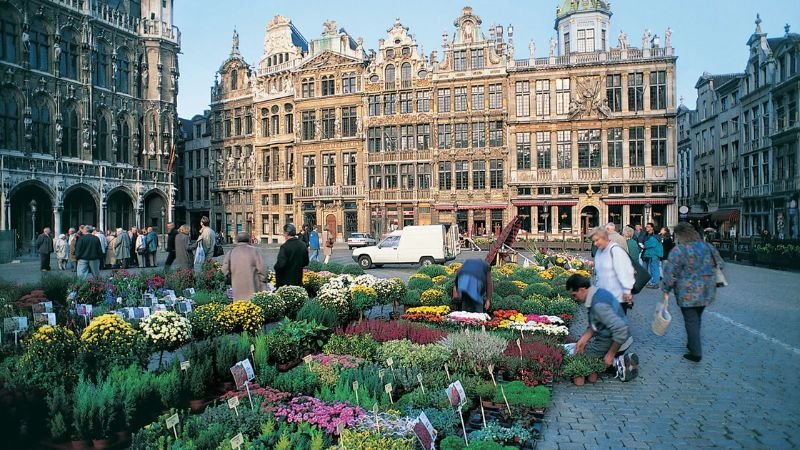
(426, 261)
(365, 262)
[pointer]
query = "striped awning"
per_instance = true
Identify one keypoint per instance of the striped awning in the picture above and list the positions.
(725, 215)
(541, 202)
(639, 201)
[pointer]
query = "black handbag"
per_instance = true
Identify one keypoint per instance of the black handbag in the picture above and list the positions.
(640, 275)
(218, 251)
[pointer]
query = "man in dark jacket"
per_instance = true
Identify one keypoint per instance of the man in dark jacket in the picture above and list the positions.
(88, 252)
(473, 286)
(292, 257)
(44, 245)
(608, 335)
(172, 232)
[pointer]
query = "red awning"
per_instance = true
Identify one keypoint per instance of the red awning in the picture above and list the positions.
(541, 202)
(639, 201)
(725, 215)
(450, 206)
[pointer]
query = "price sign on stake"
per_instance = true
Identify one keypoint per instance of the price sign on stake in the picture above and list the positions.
(483, 329)
(389, 362)
(490, 367)
(519, 346)
(307, 359)
(447, 371)
(184, 365)
(172, 422)
(237, 441)
(419, 379)
(381, 374)
(233, 403)
(375, 411)
(521, 334)
(388, 388)
(483, 413)
(355, 389)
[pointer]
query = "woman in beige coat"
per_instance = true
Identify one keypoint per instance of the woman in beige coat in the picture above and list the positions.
(326, 242)
(245, 265)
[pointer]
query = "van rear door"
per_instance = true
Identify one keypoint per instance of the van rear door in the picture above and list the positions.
(452, 246)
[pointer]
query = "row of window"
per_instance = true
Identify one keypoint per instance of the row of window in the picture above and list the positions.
(196, 189)
(589, 148)
(196, 158)
(275, 199)
(327, 85)
(402, 176)
(329, 170)
(327, 126)
(547, 191)
(459, 135)
(457, 174)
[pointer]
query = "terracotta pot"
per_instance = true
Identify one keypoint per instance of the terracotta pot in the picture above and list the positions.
(101, 444)
(197, 405)
(592, 377)
(123, 437)
(579, 381)
(81, 445)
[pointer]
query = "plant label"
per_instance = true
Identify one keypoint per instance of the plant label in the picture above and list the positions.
(521, 334)
(483, 329)
(505, 399)
(389, 362)
(419, 380)
(519, 346)
(237, 441)
(339, 428)
(456, 394)
(307, 359)
(490, 367)
(447, 371)
(172, 422)
(252, 348)
(242, 373)
(184, 365)
(355, 389)
(483, 413)
(388, 388)
(381, 374)
(375, 411)
(233, 402)
(424, 431)
(42, 307)
(458, 350)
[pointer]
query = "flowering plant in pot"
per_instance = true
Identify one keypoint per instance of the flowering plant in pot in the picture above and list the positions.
(166, 330)
(364, 299)
(204, 320)
(110, 341)
(49, 359)
(577, 367)
(272, 304)
(293, 297)
(323, 415)
(242, 316)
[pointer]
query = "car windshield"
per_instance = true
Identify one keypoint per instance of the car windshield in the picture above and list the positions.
(391, 241)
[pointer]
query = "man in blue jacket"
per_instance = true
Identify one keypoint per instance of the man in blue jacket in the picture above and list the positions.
(652, 254)
(608, 335)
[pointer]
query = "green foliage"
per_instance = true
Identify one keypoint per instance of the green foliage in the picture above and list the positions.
(359, 345)
(406, 353)
(334, 267)
(266, 374)
(527, 275)
(94, 411)
(539, 288)
(477, 350)
(493, 432)
(452, 442)
(411, 297)
(533, 305)
(56, 286)
(59, 409)
(297, 380)
(581, 365)
(353, 269)
(560, 306)
(514, 301)
(420, 283)
(434, 270)
(430, 398)
(172, 388)
(520, 394)
(206, 297)
(315, 266)
(224, 357)
(271, 303)
(505, 288)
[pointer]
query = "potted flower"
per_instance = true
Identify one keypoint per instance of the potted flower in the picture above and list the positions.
(577, 367)
(166, 330)
(597, 365)
(364, 299)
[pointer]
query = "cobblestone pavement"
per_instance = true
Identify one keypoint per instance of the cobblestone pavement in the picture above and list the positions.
(742, 395)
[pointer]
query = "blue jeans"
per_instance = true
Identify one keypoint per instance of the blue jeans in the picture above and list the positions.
(315, 254)
(654, 267)
(88, 268)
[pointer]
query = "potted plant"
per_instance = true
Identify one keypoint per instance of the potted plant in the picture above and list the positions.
(199, 375)
(577, 367)
(597, 365)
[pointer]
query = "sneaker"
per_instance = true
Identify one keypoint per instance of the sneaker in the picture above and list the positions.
(619, 365)
(630, 366)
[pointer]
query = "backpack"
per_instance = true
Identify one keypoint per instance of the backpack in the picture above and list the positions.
(640, 275)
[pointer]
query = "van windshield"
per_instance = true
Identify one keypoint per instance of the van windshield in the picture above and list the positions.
(391, 241)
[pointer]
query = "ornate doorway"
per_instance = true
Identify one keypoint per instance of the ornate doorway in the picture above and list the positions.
(79, 209)
(590, 218)
(330, 223)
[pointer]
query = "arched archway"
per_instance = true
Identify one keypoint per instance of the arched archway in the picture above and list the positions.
(590, 218)
(31, 212)
(155, 210)
(80, 207)
(120, 209)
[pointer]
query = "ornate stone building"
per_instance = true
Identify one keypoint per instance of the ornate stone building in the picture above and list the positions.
(391, 138)
(87, 113)
(192, 172)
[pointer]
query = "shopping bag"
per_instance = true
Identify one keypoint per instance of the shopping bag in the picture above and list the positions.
(199, 255)
(661, 318)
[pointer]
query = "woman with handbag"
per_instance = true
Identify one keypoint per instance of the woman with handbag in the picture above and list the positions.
(690, 273)
(327, 240)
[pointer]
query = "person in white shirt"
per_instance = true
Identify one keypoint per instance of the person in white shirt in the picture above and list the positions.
(613, 268)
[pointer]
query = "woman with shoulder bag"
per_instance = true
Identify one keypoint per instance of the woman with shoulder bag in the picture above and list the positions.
(689, 272)
(327, 238)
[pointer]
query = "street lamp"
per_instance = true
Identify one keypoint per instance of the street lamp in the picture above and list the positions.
(33, 227)
(546, 215)
(647, 207)
(163, 226)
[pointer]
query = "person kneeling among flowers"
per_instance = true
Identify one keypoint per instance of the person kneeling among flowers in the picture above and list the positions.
(608, 335)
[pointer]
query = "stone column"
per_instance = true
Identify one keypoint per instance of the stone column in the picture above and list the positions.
(56, 221)
(5, 214)
(101, 223)
(554, 219)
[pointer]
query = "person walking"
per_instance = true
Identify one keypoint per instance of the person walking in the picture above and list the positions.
(103, 244)
(473, 286)
(653, 251)
(304, 236)
(73, 238)
(89, 252)
(44, 246)
(327, 242)
(689, 275)
(615, 237)
(141, 248)
(111, 255)
(122, 248)
(245, 265)
(292, 257)
(630, 242)
(182, 255)
(613, 269)
(313, 242)
(666, 242)
(152, 246)
(62, 251)
(172, 233)
(207, 241)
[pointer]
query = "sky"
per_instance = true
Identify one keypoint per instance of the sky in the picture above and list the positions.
(708, 35)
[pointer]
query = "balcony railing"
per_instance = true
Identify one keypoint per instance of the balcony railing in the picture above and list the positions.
(628, 54)
(401, 155)
(230, 184)
(544, 174)
(785, 185)
(589, 174)
(320, 192)
(636, 173)
(757, 191)
(82, 169)
(400, 195)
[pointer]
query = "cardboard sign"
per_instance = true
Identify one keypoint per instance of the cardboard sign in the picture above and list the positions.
(339, 428)
(184, 307)
(42, 307)
(12, 324)
(229, 293)
(170, 295)
(185, 365)
(456, 394)
(44, 319)
(355, 389)
(159, 307)
(237, 441)
(381, 374)
(172, 422)
(189, 292)
(242, 373)
(388, 389)
(375, 411)
(233, 403)
(306, 359)
(419, 380)
(424, 431)
(84, 310)
(389, 362)
(447, 371)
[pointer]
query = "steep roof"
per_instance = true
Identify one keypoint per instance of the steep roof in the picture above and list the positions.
(717, 80)
(574, 6)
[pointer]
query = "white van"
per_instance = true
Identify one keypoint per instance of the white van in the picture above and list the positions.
(422, 244)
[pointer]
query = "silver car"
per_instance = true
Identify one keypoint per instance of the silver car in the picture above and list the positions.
(360, 240)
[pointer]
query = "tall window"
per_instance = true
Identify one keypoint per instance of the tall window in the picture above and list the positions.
(564, 149)
(389, 104)
(658, 145)
(101, 144)
(288, 119)
(309, 131)
(586, 40)
(328, 85)
(589, 148)
(307, 88)
(265, 174)
(658, 90)
(443, 136)
(348, 83)
(496, 133)
(636, 91)
(39, 42)
(614, 144)
(390, 138)
(614, 92)
(406, 176)
(349, 168)
(405, 76)
(523, 98)
(462, 175)
(248, 122)
(478, 98)
(523, 151)
(123, 75)
(460, 60)
(9, 33)
(69, 141)
(237, 126)
(328, 123)
(543, 149)
(40, 129)
(329, 169)
(390, 176)
(405, 103)
(374, 108)
(496, 174)
(407, 137)
(495, 96)
(68, 63)
(389, 75)
(443, 100)
(423, 175)
(423, 136)
(309, 170)
(375, 178)
(349, 121)
(275, 121)
(100, 66)
(461, 139)
(374, 139)
(423, 101)
(124, 141)
(478, 134)
(234, 79)
(445, 175)
(460, 97)
(562, 95)
(566, 44)
(478, 59)
(542, 98)
(636, 146)
(264, 122)
(479, 174)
